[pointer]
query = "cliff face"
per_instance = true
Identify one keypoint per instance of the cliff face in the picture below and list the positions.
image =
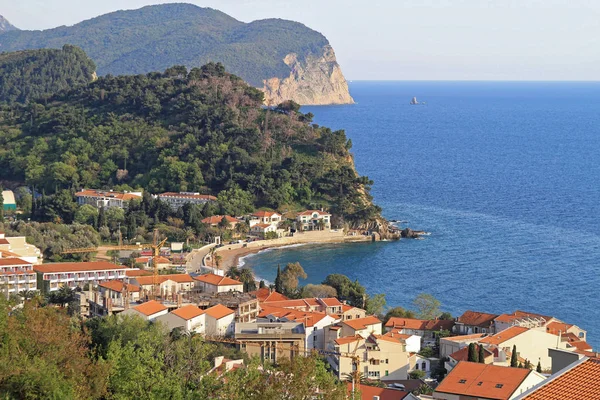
(317, 80)
(6, 26)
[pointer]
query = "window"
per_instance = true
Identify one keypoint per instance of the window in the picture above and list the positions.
(581, 335)
(424, 366)
(499, 385)
(417, 366)
(479, 383)
(462, 381)
(386, 361)
(386, 372)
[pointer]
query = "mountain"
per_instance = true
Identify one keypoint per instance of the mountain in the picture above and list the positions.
(6, 26)
(204, 131)
(39, 73)
(285, 59)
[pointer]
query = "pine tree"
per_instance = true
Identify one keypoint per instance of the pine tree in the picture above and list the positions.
(278, 281)
(539, 367)
(473, 356)
(514, 362)
(101, 218)
(481, 354)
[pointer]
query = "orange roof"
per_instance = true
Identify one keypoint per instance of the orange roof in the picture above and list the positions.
(348, 339)
(159, 260)
(219, 311)
(505, 335)
(217, 280)
(475, 318)
(370, 392)
(188, 196)
(472, 337)
(8, 254)
(107, 193)
(118, 286)
(394, 333)
(420, 324)
(296, 303)
(362, 323)
(554, 327)
(150, 308)
(521, 315)
(188, 312)
(581, 345)
(265, 295)
(263, 226)
(579, 382)
(483, 381)
(9, 262)
(331, 302)
(77, 267)
(308, 318)
(311, 212)
(216, 219)
(137, 272)
(463, 354)
(263, 214)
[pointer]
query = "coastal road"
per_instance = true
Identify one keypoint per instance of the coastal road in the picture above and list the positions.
(194, 262)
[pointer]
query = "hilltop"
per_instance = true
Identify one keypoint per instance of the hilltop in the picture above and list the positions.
(6, 26)
(204, 130)
(285, 59)
(38, 73)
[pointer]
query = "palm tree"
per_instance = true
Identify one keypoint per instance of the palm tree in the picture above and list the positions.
(26, 294)
(233, 272)
(189, 235)
(321, 224)
(247, 277)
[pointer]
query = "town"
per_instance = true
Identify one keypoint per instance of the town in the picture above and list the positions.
(398, 354)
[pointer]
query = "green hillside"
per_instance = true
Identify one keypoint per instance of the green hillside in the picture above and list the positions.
(154, 38)
(200, 131)
(37, 73)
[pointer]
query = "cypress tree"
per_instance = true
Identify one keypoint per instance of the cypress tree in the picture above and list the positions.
(101, 218)
(513, 358)
(539, 367)
(278, 282)
(481, 354)
(473, 356)
(1, 205)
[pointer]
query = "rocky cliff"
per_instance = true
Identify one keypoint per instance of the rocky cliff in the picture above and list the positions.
(6, 26)
(315, 80)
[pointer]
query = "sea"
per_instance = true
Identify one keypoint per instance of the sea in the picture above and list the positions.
(505, 176)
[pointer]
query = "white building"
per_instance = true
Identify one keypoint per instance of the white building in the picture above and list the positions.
(265, 217)
(16, 275)
(212, 283)
(190, 318)
(167, 285)
(262, 230)
(118, 291)
(149, 310)
(313, 220)
(220, 321)
(17, 246)
(177, 200)
(77, 274)
(106, 198)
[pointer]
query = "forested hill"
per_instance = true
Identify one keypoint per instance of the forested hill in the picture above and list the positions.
(38, 73)
(156, 37)
(202, 130)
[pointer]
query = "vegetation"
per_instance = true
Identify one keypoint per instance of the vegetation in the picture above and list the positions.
(473, 355)
(321, 291)
(177, 131)
(398, 312)
(290, 279)
(416, 374)
(427, 306)
(481, 355)
(514, 361)
(156, 37)
(34, 74)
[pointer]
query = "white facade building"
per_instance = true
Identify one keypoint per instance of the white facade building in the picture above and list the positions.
(177, 200)
(77, 274)
(106, 198)
(312, 220)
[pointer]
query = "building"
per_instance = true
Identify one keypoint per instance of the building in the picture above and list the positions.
(328, 305)
(216, 220)
(381, 357)
(148, 263)
(16, 275)
(9, 202)
(119, 292)
(266, 295)
(475, 381)
(412, 342)
(575, 382)
(349, 312)
(313, 220)
(212, 283)
(189, 318)
(220, 321)
(560, 328)
(427, 329)
(223, 365)
(262, 230)
(17, 246)
(245, 305)
(168, 285)
(51, 277)
(149, 310)
(452, 344)
(106, 198)
(474, 322)
(265, 217)
(372, 392)
(271, 341)
(177, 200)
(361, 326)
(463, 355)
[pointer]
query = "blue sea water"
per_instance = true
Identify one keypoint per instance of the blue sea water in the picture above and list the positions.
(505, 176)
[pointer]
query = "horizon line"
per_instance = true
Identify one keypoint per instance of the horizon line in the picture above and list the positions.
(476, 80)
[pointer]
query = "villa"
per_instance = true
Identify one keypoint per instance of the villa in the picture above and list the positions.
(178, 200)
(313, 220)
(106, 198)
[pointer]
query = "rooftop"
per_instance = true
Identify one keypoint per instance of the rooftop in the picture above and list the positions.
(266, 295)
(77, 267)
(149, 279)
(150, 308)
(521, 315)
(307, 317)
(137, 272)
(420, 324)
(370, 392)
(118, 286)
(311, 212)
(270, 328)
(475, 318)
(10, 262)
(219, 311)
(463, 354)
(473, 337)
(362, 323)
(107, 193)
(188, 312)
(216, 219)
(264, 214)
(505, 335)
(217, 280)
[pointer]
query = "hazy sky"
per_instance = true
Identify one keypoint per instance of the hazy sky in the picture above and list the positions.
(405, 39)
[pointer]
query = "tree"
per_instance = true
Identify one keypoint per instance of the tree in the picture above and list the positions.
(539, 367)
(87, 214)
(427, 352)
(278, 281)
(514, 361)
(473, 356)
(1, 204)
(527, 364)
(398, 312)
(427, 306)
(247, 277)
(416, 374)
(235, 201)
(446, 316)
(290, 278)
(423, 389)
(375, 304)
(320, 291)
(352, 292)
(481, 355)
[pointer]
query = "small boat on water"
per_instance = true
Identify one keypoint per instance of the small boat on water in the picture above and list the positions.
(414, 101)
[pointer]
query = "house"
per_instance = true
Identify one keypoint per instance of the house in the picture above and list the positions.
(16, 275)
(412, 342)
(148, 263)
(106, 198)
(262, 230)
(9, 202)
(313, 220)
(52, 277)
(372, 392)
(245, 305)
(329, 305)
(265, 217)
(361, 326)
(521, 318)
(463, 355)
(475, 381)
(167, 285)
(266, 295)
(575, 382)
(474, 322)
(119, 292)
(427, 329)
(349, 312)
(561, 328)
(271, 341)
(189, 318)
(452, 344)
(17, 246)
(178, 200)
(216, 220)
(223, 365)
(149, 310)
(381, 357)
(212, 283)
(220, 320)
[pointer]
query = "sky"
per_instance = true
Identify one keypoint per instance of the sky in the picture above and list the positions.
(404, 39)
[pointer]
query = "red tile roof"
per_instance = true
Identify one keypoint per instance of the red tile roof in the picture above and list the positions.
(10, 262)
(484, 381)
(150, 308)
(463, 354)
(370, 392)
(554, 327)
(149, 280)
(217, 280)
(137, 272)
(331, 302)
(579, 382)
(159, 260)
(263, 214)
(348, 339)
(505, 335)
(521, 315)
(296, 303)
(311, 212)
(77, 267)
(362, 323)
(472, 338)
(188, 312)
(265, 295)
(219, 311)
(308, 318)
(263, 226)
(475, 318)
(118, 286)
(420, 324)
(107, 193)
(216, 219)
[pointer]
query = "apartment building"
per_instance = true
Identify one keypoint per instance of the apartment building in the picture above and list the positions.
(271, 341)
(106, 198)
(16, 275)
(51, 277)
(178, 200)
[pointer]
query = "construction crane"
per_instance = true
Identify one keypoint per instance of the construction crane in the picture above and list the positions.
(155, 247)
